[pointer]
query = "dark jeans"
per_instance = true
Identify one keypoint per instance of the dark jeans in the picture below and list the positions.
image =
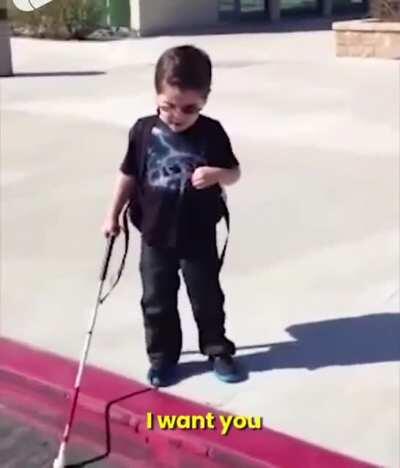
(159, 269)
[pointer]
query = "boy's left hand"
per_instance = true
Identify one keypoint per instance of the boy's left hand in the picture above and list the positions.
(205, 176)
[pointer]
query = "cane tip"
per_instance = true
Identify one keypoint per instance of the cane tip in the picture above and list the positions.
(59, 462)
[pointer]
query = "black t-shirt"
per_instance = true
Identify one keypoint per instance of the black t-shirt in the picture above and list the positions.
(174, 213)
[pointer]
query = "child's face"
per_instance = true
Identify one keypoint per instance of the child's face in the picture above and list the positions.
(179, 108)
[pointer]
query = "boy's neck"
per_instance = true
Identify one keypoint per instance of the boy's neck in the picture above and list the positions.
(178, 131)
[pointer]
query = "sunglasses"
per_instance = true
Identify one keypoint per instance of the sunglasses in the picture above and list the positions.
(189, 109)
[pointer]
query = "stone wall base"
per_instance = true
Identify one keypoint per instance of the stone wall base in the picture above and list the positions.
(367, 38)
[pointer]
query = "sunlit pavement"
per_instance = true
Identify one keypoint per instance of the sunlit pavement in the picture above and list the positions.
(311, 275)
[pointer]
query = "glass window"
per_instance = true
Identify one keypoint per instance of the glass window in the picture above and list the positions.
(226, 6)
(289, 7)
(343, 6)
(252, 6)
(242, 8)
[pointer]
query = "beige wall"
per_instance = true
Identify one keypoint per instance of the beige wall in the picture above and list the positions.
(156, 16)
(367, 38)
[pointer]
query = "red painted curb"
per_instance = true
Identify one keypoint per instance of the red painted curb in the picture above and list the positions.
(29, 375)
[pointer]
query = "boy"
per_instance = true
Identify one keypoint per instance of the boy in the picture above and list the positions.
(187, 158)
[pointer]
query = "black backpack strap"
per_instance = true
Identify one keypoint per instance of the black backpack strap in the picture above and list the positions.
(146, 126)
(226, 216)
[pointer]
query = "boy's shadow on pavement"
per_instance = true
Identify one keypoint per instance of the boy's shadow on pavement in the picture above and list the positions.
(339, 342)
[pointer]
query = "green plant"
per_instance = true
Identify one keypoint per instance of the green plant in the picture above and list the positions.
(68, 19)
(81, 17)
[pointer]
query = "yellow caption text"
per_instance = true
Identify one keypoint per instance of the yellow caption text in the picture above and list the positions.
(208, 421)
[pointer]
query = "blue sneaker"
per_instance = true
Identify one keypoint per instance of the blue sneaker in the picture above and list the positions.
(162, 376)
(225, 368)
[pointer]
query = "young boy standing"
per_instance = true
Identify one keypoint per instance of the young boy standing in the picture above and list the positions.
(188, 157)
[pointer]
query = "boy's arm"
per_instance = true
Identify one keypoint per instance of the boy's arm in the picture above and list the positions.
(224, 168)
(205, 176)
(228, 176)
(122, 192)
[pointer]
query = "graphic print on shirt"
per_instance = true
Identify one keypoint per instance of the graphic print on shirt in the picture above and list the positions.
(171, 161)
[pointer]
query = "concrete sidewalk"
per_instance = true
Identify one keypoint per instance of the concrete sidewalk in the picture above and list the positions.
(311, 277)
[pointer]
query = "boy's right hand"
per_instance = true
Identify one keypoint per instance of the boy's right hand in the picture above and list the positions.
(111, 227)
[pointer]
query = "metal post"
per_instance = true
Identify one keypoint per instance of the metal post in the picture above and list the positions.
(274, 10)
(327, 7)
(5, 46)
(237, 9)
(108, 16)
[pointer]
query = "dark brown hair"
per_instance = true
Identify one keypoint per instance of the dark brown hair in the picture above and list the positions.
(186, 67)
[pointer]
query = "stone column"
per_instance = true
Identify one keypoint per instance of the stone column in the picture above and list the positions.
(5, 47)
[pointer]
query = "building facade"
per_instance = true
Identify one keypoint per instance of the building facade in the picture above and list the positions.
(149, 17)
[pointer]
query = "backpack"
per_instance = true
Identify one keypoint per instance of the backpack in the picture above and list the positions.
(133, 207)
(132, 211)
